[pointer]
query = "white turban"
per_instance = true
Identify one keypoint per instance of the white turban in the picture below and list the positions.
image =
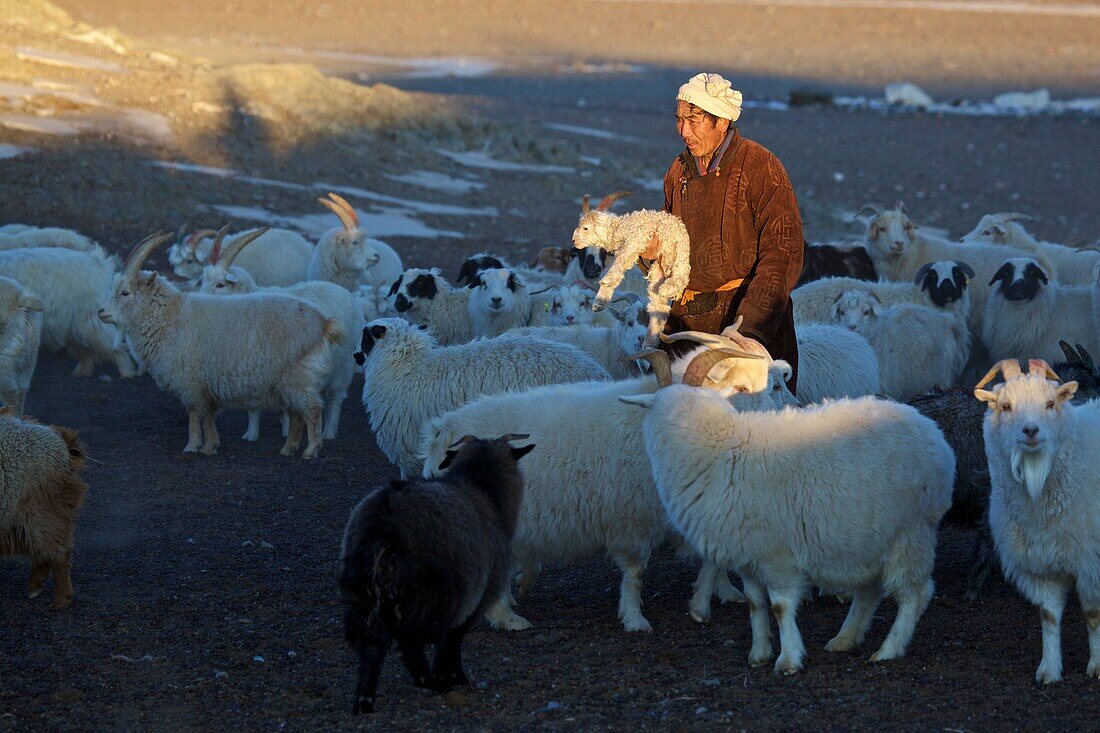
(713, 93)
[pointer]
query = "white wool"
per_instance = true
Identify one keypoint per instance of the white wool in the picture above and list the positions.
(1074, 266)
(835, 362)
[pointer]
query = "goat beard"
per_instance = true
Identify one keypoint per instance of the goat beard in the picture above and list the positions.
(1032, 470)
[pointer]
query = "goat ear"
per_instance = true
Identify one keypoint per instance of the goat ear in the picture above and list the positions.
(29, 302)
(146, 279)
(986, 396)
(1066, 392)
(1002, 274)
(520, 452)
(395, 286)
(450, 456)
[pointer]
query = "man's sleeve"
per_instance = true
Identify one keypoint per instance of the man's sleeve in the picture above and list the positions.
(779, 228)
(672, 178)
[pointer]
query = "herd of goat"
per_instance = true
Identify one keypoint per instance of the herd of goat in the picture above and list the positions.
(841, 485)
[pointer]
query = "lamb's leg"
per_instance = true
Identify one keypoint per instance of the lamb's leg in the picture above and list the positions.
(785, 600)
(632, 564)
(907, 577)
(253, 432)
(447, 669)
(658, 310)
(501, 616)
(761, 652)
(294, 433)
(625, 258)
(412, 654)
(372, 652)
(862, 611)
(40, 570)
(210, 432)
(313, 431)
(982, 562)
(194, 430)
(127, 369)
(334, 401)
(62, 581)
(699, 606)
(1091, 610)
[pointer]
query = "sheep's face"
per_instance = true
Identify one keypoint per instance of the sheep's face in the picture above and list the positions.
(386, 330)
(890, 233)
(1026, 421)
(188, 256)
(410, 291)
(1020, 278)
(496, 291)
(475, 264)
(944, 281)
(593, 230)
(779, 373)
(217, 280)
(855, 310)
(632, 327)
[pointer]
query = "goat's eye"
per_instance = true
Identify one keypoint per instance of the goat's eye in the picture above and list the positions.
(986, 233)
(1050, 405)
(1005, 407)
(219, 285)
(124, 293)
(586, 229)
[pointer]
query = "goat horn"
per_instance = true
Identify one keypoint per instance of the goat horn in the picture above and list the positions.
(216, 250)
(1071, 356)
(462, 441)
(1009, 367)
(875, 209)
(1040, 365)
(194, 237)
(699, 367)
(611, 198)
(343, 203)
(659, 360)
(1006, 216)
(699, 337)
(243, 240)
(346, 216)
(585, 208)
(141, 252)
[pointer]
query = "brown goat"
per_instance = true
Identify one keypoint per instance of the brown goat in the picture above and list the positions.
(40, 492)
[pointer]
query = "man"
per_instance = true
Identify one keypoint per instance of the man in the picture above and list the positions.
(739, 208)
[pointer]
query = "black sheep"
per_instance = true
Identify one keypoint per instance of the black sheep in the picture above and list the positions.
(422, 559)
(829, 260)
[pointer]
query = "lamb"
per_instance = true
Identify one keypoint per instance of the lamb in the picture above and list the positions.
(1026, 314)
(917, 347)
(346, 257)
(409, 380)
(499, 301)
(422, 559)
(220, 277)
(425, 298)
(628, 237)
(898, 249)
(1074, 266)
(1044, 457)
(40, 493)
(47, 237)
(280, 257)
(835, 260)
(20, 336)
(255, 351)
(846, 496)
(71, 285)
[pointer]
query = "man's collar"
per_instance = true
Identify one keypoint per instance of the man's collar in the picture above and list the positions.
(691, 165)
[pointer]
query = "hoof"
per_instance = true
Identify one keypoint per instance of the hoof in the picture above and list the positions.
(363, 705)
(209, 450)
(638, 624)
(841, 644)
(1093, 669)
(761, 660)
(60, 603)
(1047, 675)
(787, 665)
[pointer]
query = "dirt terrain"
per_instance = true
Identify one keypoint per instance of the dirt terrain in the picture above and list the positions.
(205, 592)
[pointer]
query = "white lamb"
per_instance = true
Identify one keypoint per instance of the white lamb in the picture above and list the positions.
(252, 352)
(499, 301)
(917, 347)
(845, 496)
(583, 499)
(409, 380)
(1027, 315)
(1044, 505)
(660, 236)
(72, 286)
(1074, 266)
(344, 255)
(279, 257)
(425, 298)
(20, 335)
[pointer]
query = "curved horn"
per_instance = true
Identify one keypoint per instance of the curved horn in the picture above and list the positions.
(699, 367)
(347, 215)
(585, 208)
(875, 209)
(1006, 216)
(343, 203)
(1009, 367)
(588, 285)
(1086, 358)
(243, 240)
(1072, 356)
(194, 237)
(699, 337)
(216, 250)
(611, 198)
(1040, 365)
(659, 361)
(141, 252)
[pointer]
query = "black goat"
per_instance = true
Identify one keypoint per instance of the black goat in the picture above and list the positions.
(829, 260)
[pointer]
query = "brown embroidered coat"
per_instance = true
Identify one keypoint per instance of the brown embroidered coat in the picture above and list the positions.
(743, 221)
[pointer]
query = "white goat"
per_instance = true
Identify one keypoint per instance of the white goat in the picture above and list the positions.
(346, 257)
(425, 298)
(1027, 315)
(71, 285)
(1044, 505)
(845, 495)
(20, 335)
(409, 380)
(47, 237)
(258, 351)
(279, 257)
(1074, 266)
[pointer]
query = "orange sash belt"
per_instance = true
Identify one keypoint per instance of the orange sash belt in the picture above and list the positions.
(689, 295)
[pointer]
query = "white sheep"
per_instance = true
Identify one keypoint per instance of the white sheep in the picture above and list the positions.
(1026, 315)
(846, 496)
(256, 351)
(1044, 506)
(279, 257)
(1074, 266)
(583, 499)
(345, 256)
(408, 379)
(499, 301)
(917, 347)
(20, 335)
(71, 285)
(423, 297)
(220, 277)
(47, 237)
(658, 235)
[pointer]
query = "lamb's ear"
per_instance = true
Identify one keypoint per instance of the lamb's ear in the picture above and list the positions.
(642, 400)
(966, 269)
(520, 452)
(1066, 392)
(396, 285)
(989, 397)
(1004, 273)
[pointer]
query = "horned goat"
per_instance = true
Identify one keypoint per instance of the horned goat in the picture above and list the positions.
(279, 257)
(20, 336)
(345, 256)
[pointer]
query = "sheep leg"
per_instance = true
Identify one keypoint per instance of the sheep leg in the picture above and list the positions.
(501, 616)
(447, 669)
(334, 401)
(982, 561)
(62, 581)
(632, 564)
(761, 652)
(40, 570)
(372, 652)
(854, 629)
(253, 432)
(703, 591)
(194, 430)
(412, 654)
(912, 600)
(313, 431)
(284, 422)
(1092, 618)
(293, 434)
(210, 441)
(785, 601)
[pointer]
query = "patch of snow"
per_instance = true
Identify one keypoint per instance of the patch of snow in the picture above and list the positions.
(1033, 101)
(205, 170)
(583, 67)
(39, 87)
(479, 159)
(769, 104)
(423, 207)
(1029, 105)
(42, 125)
(12, 151)
(438, 182)
(902, 92)
(98, 38)
(650, 184)
(389, 223)
(149, 124)
(67, 60)
(591, 132)
(591, 160)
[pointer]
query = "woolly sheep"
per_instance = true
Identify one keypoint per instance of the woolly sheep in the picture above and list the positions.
(47, 237)
(835, 362)
(845, 495)
(499, 301)
(423, 297)
(1074, 266)
(408, 379)
(1044, 506)
(40, 493)
(835, 260)
(345, 256)
(20, 336)
(421, 560)
(255, 351)
(71, 285)
(1026, 314)
(917, 347)
(279, 257)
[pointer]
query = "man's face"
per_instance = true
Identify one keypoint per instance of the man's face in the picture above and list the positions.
(700, 132)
